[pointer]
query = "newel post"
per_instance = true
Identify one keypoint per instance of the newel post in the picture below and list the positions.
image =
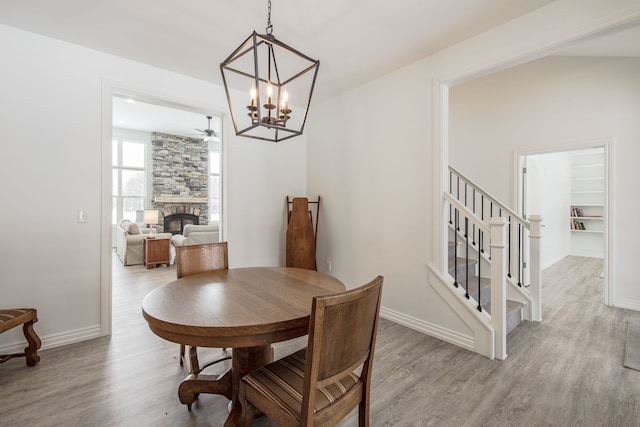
(499, 285)
(535, 273)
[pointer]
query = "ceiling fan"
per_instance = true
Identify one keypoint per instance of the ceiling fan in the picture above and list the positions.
(208, 132)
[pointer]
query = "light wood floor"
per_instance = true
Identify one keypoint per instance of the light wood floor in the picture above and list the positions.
(564, 371)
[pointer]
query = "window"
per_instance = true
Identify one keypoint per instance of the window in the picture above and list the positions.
(214, 181)
(129, 178)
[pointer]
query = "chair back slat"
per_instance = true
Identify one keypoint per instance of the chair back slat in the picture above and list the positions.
(195, 259)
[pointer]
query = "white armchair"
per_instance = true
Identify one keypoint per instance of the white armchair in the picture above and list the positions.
(196, 235)
(130, 242)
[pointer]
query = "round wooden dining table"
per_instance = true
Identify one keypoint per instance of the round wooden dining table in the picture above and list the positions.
(245, 309)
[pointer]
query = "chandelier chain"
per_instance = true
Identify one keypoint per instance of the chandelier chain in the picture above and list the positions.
(269, 26)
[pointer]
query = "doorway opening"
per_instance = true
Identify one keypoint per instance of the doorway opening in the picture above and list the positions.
(148, 125)
(570, 189)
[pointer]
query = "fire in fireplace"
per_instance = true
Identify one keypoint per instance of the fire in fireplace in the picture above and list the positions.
(175, 223)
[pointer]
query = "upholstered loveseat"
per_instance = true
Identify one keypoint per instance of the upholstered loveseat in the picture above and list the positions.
(196, 235)
(130, 242)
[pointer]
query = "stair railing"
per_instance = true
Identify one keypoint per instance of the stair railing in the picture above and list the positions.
(462, 222)
(522, 235)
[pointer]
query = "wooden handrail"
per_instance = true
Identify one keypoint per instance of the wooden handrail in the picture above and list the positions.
(484, 193)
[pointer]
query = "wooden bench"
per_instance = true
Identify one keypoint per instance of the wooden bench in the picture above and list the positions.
(9, 319)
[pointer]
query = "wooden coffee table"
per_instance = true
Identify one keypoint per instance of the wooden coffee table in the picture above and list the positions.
(157, 251)
(246, 309)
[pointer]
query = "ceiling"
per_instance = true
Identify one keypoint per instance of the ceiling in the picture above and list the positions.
(355, 41)
(144, 116)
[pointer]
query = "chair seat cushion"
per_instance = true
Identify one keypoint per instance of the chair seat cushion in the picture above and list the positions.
(282, 381)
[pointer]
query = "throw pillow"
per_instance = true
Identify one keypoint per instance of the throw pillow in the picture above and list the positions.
(133, 228)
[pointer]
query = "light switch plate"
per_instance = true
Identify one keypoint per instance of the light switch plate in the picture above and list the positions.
(83, 215)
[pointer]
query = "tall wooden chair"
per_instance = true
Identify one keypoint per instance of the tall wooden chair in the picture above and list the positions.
(195, 259)
(9, 319)
(319, 385)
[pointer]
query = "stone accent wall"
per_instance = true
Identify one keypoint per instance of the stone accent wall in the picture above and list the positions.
(181, 170)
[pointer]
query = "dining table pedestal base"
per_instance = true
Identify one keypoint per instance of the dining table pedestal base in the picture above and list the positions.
(244, 360)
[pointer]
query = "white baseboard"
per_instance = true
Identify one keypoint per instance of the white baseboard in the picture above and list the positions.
(628, 304)
(453, 337)
(55, 340)
(586, 253)
(549, 263)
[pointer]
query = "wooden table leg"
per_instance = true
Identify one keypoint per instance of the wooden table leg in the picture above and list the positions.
(245, 360)
(196, 383)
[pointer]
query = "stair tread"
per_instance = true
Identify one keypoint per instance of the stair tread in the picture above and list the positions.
(511, 306)
(513, 315)
(485, 288)
(461, 261)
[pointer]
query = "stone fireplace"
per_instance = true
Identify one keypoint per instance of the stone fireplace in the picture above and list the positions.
(180, 179)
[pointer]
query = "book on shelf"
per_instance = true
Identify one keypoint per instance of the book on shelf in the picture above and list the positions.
(578, 212)
(577, 225)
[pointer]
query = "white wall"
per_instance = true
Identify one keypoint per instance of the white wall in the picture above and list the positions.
(554, 103)
(51, 116)
(379, 170)
(549, 195)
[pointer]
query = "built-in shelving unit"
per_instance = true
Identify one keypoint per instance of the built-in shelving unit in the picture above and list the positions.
(587, 202)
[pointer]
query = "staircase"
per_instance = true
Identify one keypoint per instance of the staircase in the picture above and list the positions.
(479, 288)
(493, 277)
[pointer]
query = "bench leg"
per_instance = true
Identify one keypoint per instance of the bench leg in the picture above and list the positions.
(31, 352)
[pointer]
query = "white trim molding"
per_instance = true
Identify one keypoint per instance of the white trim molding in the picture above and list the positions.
(56, 340)
(448, 335)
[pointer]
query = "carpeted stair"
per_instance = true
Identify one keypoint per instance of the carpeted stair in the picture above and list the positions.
(514, 308)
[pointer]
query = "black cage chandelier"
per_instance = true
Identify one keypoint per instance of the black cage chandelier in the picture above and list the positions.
(274, 85)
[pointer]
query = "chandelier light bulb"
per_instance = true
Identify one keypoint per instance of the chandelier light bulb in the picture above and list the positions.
(284, 106)
(269, 93)
(253, 96)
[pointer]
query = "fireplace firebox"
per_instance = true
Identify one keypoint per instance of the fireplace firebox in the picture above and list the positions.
(175, 223)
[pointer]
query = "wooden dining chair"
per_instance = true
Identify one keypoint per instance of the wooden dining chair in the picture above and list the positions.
(320, 385)
(195, 259)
